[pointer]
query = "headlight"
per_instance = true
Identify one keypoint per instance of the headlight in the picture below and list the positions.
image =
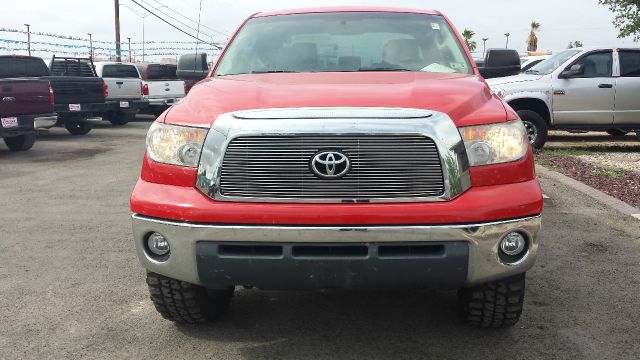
(495, 143)
(175, 145)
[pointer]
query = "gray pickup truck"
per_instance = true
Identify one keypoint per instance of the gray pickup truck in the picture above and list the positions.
(584, 89)
(126, 91)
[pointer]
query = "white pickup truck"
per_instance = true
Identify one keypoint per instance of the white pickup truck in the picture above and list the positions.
(584, 89)
(165, 89)
(125, 91)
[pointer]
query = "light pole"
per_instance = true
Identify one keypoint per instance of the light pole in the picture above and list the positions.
(484, 46)
(129, 39)
(507, 35)
(90, 46)
(28, 38)
(142, 16)
(116, 4)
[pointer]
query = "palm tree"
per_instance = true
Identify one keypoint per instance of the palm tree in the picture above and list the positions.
(484, 46)
(468, 36)
(575, 44)
(507, 36)
(532, 41)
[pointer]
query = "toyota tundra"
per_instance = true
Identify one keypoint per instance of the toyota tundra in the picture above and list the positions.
(349, 148)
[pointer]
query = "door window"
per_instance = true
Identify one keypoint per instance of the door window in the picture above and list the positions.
(629, 63)
(596, 65)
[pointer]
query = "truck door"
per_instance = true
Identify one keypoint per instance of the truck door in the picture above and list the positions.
(586, 99)
(627, 104)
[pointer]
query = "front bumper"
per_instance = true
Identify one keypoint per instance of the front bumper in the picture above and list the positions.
(266, 256)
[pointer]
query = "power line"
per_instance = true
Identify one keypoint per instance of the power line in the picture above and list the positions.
(175, 27)
(189, 19)
(158, 9)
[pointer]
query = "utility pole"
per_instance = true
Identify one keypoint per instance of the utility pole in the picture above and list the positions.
(117, 12)
(484, 47)
(90, 46)
(507, 35)
(129, 39)
(28, 38)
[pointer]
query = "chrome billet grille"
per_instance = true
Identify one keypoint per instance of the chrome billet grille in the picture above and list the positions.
(382, 167)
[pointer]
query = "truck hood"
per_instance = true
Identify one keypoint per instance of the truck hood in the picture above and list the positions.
(520, 78)
(465, 98)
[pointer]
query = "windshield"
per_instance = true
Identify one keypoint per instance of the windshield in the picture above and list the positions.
(551, 64)
(347, 41)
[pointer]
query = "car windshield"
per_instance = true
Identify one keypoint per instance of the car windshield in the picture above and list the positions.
(551, 64)
(345, 42)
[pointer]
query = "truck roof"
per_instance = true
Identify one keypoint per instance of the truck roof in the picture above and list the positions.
(346, 9)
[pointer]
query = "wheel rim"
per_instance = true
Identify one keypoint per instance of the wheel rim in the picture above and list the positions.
(532, 131)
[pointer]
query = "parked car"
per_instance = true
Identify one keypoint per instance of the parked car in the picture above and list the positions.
(528, 62)
(79, 93)
(338, 148)
(26, 102)
(164, 87)
(585, 89)
(126, 91)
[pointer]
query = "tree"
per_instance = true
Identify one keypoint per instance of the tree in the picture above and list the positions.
(627, 16)
(532, 41)
(468, 36)
(575, 44)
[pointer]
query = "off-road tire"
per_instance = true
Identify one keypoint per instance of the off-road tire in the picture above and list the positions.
(185, 303)
(497, 304)
(78, 128)
(20, 142)
(120, 118)
(617, 132)
(533, 119)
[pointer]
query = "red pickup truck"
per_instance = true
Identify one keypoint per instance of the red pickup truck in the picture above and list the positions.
(25, 105)
(339, 148)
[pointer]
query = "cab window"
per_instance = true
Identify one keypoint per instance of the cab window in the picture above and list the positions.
(597, 65)
(629, 63)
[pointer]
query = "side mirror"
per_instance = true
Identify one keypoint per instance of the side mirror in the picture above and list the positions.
(500, 63)
(192, 67)
(575, 70)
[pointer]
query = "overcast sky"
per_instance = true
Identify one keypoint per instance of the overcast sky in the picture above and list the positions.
(562, 21)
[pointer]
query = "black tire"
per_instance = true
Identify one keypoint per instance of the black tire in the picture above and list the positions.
(185, 303)
(537, 128)
(78, 128)
(120, 118)
(20, 142)
(497, 304)
(617, 132)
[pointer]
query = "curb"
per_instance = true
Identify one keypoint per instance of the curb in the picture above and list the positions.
(598, 195)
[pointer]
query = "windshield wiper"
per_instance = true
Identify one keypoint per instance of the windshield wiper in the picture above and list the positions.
(271, 71)
(384, 69)
(532, 71)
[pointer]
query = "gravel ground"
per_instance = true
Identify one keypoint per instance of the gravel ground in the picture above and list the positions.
(71, 287)
(629, 161)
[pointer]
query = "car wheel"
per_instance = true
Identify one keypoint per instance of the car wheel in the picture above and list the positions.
(78, 128)
(185, 303)
(537, 129)
(496, 304)
(20, 142)
(121, 118)
(617, 132)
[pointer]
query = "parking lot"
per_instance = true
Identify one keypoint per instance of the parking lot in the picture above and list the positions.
(70, 284)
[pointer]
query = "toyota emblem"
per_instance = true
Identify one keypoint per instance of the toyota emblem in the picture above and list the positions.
(330, 164)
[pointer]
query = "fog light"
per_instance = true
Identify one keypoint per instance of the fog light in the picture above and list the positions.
(513, 244)
(158, 244)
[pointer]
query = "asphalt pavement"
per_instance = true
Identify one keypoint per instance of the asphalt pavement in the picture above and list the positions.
(71, 286)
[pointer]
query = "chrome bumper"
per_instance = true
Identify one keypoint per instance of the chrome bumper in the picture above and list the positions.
(484, 263)
(45, 122)
(164, 102)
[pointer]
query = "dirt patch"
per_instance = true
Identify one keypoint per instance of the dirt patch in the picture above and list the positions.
(619, 183)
